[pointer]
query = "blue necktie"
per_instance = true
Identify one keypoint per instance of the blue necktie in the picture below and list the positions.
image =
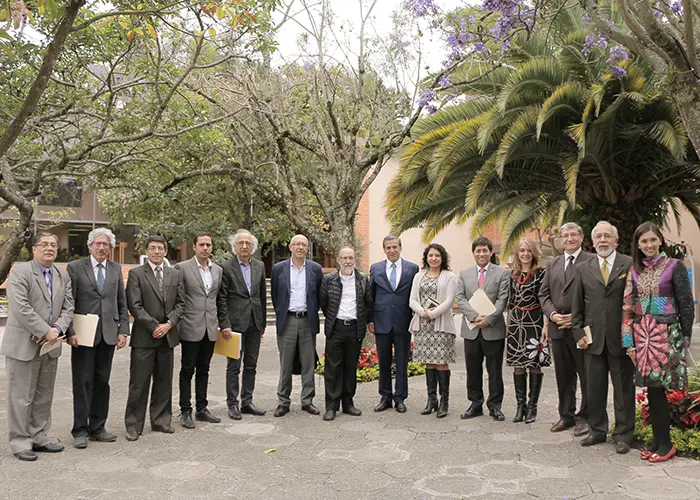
(100, 278)
(47, 279)
(392, 276)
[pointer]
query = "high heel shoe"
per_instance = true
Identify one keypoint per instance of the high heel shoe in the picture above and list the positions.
(645, 454)
(656, 458)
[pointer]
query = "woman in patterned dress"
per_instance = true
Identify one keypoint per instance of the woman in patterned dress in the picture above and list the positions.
(432, 296)
(657, 322)
(527, 348)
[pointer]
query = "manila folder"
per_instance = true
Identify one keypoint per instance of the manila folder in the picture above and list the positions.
(481, 303)
(85, 326)
(230, 348)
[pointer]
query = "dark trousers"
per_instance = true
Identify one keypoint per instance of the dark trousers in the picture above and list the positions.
(475, 352)
(340, 368)
(150, 363)
(401, 343)
(250, 349)
(195, 361)
(568, 367)
(91, 368)
(621, 370)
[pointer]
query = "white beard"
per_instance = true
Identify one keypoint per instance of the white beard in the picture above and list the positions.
(605, 254)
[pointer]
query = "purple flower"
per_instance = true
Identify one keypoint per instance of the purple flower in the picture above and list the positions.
(445, 82)
(618, 72)
(426, 95)
(431, 109)
(617, 54)
(676, 7)
(422, 8)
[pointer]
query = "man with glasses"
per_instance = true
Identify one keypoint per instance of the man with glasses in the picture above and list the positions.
(41, 309)
(296, 284)
(155, 295)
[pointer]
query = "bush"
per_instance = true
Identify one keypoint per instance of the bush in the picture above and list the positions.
(368, 365)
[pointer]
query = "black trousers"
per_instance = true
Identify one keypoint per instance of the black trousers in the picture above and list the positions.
(91, 368)
(621, 370)
(250, 350)
(195, 361)
(156, 364)
(401, 343)
(568, 367)
(475, 353)
(340, 369)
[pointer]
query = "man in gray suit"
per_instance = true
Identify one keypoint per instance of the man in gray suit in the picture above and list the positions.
(98, 288)
(555, 296)
(243, 309)
(156, 298)
(599, 287)
(197, 329)
(486, 341)
(41, 309)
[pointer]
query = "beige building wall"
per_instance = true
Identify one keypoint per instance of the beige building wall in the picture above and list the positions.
(690, 235)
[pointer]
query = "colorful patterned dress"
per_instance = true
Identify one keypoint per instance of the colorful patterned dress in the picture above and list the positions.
(524, 346)
(657, 318)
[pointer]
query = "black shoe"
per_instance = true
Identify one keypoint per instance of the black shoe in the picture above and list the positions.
(384, 404)
(581, 429)
(166, 429)
(351, 410)
(281, 411)
(132, 435)
(520, 382)
(622, 448)
(329, 415)
(562, 425)
(234, 413)
(186, 420)
(535, 389)
(400, 407)
(26, 456)
(473, 411)
(205, 416)
(497, 415)
(103, 437)
(443, 377)
(48, 448)
(80, 442)
(590, 440)
(250, 409)
(431, 382)
(310, 409)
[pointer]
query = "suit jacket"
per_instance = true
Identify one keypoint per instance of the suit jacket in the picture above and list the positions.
(598, 305)
(281, 287)
(556, 292)
(391, 311)
(331, 295)
(110, 305)
(236, 305)
(497, 288)
(28, 298)
(199, 316)
(149, 308)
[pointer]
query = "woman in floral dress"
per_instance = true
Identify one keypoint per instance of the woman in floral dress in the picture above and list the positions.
(527, 349)
(657, 322)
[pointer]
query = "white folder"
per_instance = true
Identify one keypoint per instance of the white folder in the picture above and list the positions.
(85, 327)
(481, 303)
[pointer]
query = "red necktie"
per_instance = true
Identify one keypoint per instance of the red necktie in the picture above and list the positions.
(482, 275)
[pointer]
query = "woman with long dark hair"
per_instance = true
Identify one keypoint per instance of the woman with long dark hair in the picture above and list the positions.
(657, 322)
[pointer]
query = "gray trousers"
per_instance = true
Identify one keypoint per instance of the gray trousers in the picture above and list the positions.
(150, 368)
(296, 331)
(30, 386)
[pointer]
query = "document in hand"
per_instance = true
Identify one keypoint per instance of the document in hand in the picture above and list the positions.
(230, 348)
(49, 347)
(85, 327)
(481, 303)
(588, 335)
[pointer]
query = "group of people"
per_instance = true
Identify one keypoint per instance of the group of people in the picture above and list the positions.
(597, 315)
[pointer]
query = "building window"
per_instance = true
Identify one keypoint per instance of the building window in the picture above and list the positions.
(65, 192)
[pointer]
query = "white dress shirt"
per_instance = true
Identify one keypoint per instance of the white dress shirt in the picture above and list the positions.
(153, 267)
(348, 300)
(398, 271)
(611, 260)
(94, 263)
(567, 255)
(297, 287)
(205, 273)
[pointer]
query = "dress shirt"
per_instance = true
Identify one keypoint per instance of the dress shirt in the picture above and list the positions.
(48, 279)
(611, 260)
(153, 267)
(398, 270)
(486, 272)
(95, 270)
(205, 273)
(567, 255)
(348, 300)
(297, 287)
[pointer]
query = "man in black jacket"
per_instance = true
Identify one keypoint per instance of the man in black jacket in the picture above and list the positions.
(346, 301)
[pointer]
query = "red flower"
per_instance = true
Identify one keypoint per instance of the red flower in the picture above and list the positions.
(651, 340)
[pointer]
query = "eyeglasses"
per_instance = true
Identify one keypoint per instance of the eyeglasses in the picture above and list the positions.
(153, 248)
(299, 244)
(244, 243)
(47, 245)
(100, 244)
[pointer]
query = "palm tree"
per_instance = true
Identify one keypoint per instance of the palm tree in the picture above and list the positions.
(557, 135)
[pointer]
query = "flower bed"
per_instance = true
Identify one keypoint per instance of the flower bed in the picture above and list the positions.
(368, 365)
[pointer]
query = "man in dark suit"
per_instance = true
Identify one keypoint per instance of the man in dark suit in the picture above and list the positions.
(598, 291)
(98, 288)
(197, 330)
(155, 294)
(555, 297)
(243, 309)
(390, 284)
(296, 284)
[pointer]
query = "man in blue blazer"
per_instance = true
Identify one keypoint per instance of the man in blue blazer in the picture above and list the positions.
(296, 284)
(390, 284)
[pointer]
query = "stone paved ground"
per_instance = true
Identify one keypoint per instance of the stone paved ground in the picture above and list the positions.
(384, 455)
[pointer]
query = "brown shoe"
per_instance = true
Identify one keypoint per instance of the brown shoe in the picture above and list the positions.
(581, 429)
(561, 425)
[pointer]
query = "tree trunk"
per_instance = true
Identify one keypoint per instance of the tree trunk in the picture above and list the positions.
(685, 91)
(18, 238)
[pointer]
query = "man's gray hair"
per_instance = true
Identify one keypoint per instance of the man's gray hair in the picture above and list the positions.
(600, 223)
(233, 239)
(102, 231)
(570, 225)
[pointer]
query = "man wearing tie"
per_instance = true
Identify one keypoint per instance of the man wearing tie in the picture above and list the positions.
(295, 288)
(555, 296)
(598, 290)
(486, 341)
(41, 309)
(197, 329)
(98, 288)
(155, 295)
(243, 309)
(390, 284)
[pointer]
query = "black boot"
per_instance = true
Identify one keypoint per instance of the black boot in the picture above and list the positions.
(520, 381)
(431, 381)
(535, 388)
(444, 381)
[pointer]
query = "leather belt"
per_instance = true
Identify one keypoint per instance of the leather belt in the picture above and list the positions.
(347, 322)
(297, 314)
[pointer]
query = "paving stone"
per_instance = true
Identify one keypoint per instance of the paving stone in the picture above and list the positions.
(659, 488)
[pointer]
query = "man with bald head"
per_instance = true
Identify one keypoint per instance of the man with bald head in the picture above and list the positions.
(295, 288)
(598, 290)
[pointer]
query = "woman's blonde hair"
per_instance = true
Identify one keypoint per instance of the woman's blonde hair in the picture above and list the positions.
(536, 256)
